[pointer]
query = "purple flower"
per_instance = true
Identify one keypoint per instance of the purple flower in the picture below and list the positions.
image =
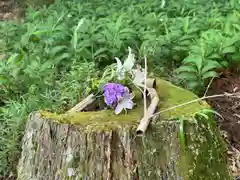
(118, 96)
(113, 93)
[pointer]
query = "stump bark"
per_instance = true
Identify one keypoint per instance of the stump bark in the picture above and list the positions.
(62, 151)
(102, 146)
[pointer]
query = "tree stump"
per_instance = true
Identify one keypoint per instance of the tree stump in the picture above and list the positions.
(102, 146)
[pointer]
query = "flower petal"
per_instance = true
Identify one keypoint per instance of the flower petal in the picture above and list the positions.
(124, 103)
(120, 70)
(132, 95)
(118, 109)
(129, 62)
(128, 104)
(139, 76)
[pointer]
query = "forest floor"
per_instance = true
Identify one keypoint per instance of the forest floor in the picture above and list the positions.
(229, 109)
(9, 9)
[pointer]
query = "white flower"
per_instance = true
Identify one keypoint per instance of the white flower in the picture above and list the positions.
(130, 61)
(126, 66)
(125, 103)
(139, 76)
(120, 69)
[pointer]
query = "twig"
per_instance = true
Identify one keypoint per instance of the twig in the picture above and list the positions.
(152, 107)
(145, 88)
(209, 84)
(196, 100)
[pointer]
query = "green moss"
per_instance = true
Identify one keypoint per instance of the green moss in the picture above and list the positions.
(205, 152)
(169, 95)
(172, 95)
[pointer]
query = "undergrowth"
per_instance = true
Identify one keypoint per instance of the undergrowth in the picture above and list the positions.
(57, 54)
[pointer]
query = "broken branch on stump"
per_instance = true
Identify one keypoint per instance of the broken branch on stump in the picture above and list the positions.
(151, 109)
(83, 104)
(151, 83)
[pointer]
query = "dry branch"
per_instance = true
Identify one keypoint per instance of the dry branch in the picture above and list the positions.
(83, 104)
(151, 109)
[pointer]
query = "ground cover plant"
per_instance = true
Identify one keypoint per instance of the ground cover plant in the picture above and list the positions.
(56, 56)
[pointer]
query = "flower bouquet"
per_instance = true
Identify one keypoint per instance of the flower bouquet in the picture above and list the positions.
(116, 86)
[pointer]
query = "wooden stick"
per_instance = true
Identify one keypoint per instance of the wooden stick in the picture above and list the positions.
(150, 111)
(83, 104)
(151, 83)
(145, 89)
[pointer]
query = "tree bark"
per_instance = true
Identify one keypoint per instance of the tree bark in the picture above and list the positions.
(53, 151)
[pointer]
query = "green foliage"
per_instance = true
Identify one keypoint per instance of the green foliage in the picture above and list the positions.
(57, 55)
(215, 48)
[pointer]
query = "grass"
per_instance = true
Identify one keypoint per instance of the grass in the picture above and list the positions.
(49, 62)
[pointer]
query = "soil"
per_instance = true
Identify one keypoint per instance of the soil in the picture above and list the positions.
(10, 10)
(229, 108)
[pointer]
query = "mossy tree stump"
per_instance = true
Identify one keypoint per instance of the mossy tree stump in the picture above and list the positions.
(103, 146)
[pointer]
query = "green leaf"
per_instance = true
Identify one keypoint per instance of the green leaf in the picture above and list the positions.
(119, 23)
(102, 56)
(12, 58)
(75, 34)
(195, 49)
(210, 65)
(187, 76)
(40, 32)
(185, 42)
(186, 69)
(236, 26)
(99, 51)
(192, 84)
(209, 74)
(228, 27)
(46, 65)
(186, 24)
(181, 48)
(127, 31)
(197, 60)
(193, 30)
(202, 114)
(230, 41)
(235, 57)
(24, 39)
(16, 58)
(185, 38)
(58, 58)
(212, 112)
(214, 56)
(57, 49)
(224, 63)
(181, 132)
(189, 59)
(229, 49)
(4, 80)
